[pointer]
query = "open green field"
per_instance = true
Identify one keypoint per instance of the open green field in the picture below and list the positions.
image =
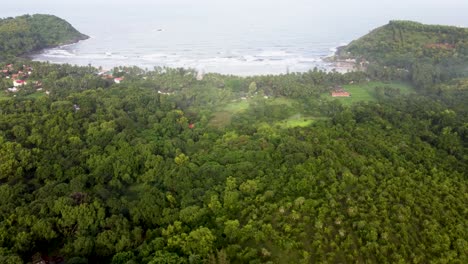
(366, 91)
(236, 106)
(223, 116)
(240, 105)
(6, 96)
(35, 95)
(296, 120)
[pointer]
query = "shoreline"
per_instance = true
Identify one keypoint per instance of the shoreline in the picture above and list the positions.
(29, 55)
(327, 63)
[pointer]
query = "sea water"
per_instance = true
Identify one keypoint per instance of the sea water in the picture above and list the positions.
(230, 37)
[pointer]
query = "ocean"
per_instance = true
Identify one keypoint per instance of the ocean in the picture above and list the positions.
(230, 37)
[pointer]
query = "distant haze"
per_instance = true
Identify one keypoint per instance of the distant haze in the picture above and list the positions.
(241, 37)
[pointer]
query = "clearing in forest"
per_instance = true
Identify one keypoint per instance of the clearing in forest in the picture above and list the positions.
(368, 91)
(276, 109)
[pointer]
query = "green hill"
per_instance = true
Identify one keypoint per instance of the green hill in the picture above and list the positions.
(24, 34)
(406, 41)
(426, 55)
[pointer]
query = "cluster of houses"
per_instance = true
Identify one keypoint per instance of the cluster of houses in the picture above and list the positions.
(19, 77)
(109, 75)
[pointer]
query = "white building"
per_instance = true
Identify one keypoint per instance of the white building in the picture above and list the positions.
(17, 83)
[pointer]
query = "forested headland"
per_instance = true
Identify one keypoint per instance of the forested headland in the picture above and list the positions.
(158, 166)
(28, 33)
(427, 54)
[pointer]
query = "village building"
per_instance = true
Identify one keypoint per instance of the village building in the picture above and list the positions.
(165, 93)
(106, 74)
(200, 75)
(118, 80)
(17, 83)
(340, 92)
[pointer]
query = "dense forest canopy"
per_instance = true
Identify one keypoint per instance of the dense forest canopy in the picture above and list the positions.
(158, 166)
(28, 33)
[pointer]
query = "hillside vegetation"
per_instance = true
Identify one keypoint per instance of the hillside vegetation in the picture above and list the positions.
(160, 167)
(425, 54)
(28, 33)
(400, 39)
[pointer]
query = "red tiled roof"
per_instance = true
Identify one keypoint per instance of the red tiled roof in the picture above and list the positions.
(340, 94)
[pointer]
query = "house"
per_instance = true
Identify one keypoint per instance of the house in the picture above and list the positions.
(13, 89)
(200, 75)
(17, 83)
(118, 80)
(106, 74)
(340, 92)
(159, 92)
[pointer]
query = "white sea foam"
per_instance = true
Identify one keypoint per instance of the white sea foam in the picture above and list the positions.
(58, 53)
(159, 56)
(274, 53)
(246, 61)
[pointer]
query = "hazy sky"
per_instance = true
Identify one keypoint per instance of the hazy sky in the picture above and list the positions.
(446, 11)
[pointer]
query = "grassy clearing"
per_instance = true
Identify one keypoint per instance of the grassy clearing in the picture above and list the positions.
(281, 101)
(298, 120)
(292, 122)
(237, 106)
(366, 91)
(220, 119)
(223, 116)
(6, 96)
(35, 95)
